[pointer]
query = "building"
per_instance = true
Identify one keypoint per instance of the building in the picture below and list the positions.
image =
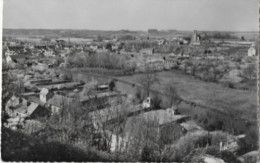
(162, 42)
(167, 125)
(9, 59)
(115, 47)
(147, 103)
(9, 52)
(190, 126)
(230, 144)
(251, 51)
(40, 81)
(147, 51)
(102, 86)
(32, 111)
(211, 159)
(60, 42)
(36, 110)
(58, 102)
(12, 104)
(94, 47)
(59, 85)
(15, 47)
(195, 39)
(49, 53)
(16, 59)
(22, 108)
(45, 95)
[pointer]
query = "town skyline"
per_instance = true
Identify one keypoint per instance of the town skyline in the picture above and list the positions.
(144, 30)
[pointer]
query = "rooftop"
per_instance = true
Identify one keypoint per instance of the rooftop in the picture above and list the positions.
(190, 126)
(32, 108)
(18, 56)
(163, 116)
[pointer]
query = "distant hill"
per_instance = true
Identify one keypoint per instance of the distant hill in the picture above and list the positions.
(65, 33)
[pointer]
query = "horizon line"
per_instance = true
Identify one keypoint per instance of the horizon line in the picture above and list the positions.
(140, 30)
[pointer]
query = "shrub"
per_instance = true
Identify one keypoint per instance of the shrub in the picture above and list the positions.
(219, 136)
(213, 151)
(228, 156)
(188, 143)
(156, 102)
(138, 95)
(150, 154)
(195, 155)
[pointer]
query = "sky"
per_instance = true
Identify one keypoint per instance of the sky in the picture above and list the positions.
(219, 15)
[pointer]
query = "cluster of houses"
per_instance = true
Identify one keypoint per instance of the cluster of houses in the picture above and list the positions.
(50, 100)
(48, 97)
(28, 54)
(26, 107)
(169, 126)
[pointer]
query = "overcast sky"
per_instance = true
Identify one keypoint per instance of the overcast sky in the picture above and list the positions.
(231, 15)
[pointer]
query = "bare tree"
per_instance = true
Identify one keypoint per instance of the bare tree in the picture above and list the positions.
(174, 96)
(194, 69)
(72, 124)
(250, 71)
(88, 88)
(149, 79)
(108, 122)
(144, 138)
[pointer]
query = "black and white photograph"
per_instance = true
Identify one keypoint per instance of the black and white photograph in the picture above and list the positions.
(130, 81)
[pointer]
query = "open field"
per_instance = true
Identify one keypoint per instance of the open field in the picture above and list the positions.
(205, 93)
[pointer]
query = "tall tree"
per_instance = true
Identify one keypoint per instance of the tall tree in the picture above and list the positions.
(149, 79)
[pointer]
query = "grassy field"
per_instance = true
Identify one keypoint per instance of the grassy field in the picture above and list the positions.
(205, 93)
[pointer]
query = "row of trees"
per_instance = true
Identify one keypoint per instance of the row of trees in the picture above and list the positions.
(138, 45)
(207, 71)
(101, 60)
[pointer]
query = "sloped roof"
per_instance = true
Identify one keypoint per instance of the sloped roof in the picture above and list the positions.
(189, 126)
(145, 49)
(210, 159)
(163, 116)
(32, 108)
(21, 56)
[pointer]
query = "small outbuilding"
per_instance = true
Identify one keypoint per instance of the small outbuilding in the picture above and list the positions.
(45, 95)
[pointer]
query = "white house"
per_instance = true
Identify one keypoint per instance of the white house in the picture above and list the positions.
(251, 51)
(45, 95)
(147, 103)
(49, 53)
(147, 51)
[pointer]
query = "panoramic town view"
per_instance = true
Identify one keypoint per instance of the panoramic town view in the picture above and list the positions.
(128, 94)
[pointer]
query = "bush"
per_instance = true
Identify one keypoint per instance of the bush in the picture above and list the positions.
(139, 95)
(229, 85)
(219, 136)
(195, 155)
(250, 157)
(156, 102)
(228, 156)
(150, 154)
(213, 151)
(187, 144)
